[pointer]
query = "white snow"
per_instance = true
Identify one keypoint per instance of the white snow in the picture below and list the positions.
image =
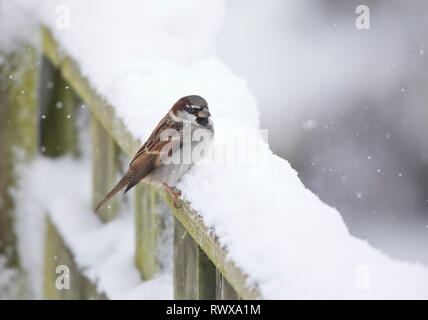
(143, 56)
(17, 25)
(288, 241)
(8, 281)
(30, 227)
(104, 252)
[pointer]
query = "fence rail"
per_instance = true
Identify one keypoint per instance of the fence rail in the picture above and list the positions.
(201, 269)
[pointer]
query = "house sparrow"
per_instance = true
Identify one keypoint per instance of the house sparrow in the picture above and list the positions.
(150, 163)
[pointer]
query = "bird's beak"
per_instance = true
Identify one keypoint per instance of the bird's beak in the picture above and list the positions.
(204, 113)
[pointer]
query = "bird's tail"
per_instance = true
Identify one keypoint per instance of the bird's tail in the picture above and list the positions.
(120, 185)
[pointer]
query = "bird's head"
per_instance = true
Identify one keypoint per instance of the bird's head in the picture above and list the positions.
(193, 109)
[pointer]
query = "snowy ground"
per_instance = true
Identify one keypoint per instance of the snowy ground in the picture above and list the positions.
(144, 56)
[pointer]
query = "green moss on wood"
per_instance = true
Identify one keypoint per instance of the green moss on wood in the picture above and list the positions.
(146, 224)
(194, 273)
(58, 134)
(206, 280)
(224, 291)
(18, 134)
(104, 159)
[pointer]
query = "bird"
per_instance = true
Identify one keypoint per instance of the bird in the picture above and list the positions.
(161, 162)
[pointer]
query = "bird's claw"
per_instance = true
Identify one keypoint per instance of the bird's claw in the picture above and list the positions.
(175, 204)
(174, 194)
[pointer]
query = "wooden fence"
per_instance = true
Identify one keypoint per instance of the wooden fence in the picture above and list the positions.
(201, 270)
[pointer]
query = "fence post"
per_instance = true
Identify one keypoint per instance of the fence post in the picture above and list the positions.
(224, 291)
(57, 128)
(194, 273)
(146, 225)
(18, 134)
(104, 159)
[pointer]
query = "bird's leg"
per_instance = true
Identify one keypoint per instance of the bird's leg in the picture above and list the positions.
(173, 194)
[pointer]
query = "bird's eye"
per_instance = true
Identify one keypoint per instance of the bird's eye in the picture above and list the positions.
(191, 110)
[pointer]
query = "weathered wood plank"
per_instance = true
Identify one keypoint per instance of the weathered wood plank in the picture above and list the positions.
(194, 273)
(224, 291)
(18, 134)
(104, 159)
(146, 227)
(57, 113)
(188, 217)
(63, 279)
(185, 264)
(206, 276)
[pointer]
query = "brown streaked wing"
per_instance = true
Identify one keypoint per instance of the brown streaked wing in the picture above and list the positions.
(152, 137)
(143, 166)
(148, 158)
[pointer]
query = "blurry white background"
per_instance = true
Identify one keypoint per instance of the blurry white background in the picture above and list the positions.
(347, 107)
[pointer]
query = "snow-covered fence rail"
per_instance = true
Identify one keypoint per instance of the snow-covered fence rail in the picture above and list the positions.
(201, 269)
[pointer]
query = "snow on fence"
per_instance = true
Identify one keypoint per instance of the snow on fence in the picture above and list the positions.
(201, 270)
(289, 243)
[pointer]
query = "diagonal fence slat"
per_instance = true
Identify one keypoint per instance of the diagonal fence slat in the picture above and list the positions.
(104, 160)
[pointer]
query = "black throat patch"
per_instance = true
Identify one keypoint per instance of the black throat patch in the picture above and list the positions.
(202, 121)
